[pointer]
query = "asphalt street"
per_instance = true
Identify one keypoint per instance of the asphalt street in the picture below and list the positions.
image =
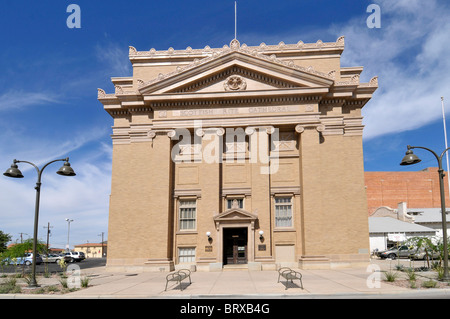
(54, 267)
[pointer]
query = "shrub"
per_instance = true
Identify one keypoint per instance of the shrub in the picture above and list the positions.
(9, 286)
(411, 275)
(63, 282)
(429, 284)
(85, 282)
(390, 276)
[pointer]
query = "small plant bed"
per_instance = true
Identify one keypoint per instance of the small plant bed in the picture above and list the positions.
(418, 283)
(56, 284)
(415, 279)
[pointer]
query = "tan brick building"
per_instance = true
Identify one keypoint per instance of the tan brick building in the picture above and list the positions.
(238, 156)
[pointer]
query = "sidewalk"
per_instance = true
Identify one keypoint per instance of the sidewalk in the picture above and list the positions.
(332, 283)
(227, 284)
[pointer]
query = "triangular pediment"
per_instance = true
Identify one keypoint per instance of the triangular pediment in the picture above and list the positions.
(236, 70)
(235, 214)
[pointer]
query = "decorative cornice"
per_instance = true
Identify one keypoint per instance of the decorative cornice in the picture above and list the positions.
(280, 47)
(354, 80)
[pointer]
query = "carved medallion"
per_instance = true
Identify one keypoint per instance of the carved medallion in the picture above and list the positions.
(235, 83)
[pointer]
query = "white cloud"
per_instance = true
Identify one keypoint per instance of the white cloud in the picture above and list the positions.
(114, 58)
(84, 198)
(17, 99)
(408, 54)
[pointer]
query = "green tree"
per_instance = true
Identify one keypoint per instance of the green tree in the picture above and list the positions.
(430, 245)
(19, 250)
(4, 239)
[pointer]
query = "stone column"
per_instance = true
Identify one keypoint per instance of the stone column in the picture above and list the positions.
(140, 204)
(209, 205)
(309, 140)
(160, 205)
(261, 165)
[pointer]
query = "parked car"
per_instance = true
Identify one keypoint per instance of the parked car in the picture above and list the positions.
(74, 256)
(394, 252)
(52, 258)
(421, 254)
(27, 259)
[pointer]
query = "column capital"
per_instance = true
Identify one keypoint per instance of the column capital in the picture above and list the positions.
(300, 128)
(210, 130)
(249, 130)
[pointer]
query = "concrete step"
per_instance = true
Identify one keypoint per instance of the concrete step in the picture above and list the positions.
(235, 267)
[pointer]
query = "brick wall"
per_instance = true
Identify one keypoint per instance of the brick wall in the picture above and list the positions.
(418, 189)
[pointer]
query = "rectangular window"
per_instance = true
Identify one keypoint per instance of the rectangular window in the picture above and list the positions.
(283, 211)
(188, 215)
(186, 255)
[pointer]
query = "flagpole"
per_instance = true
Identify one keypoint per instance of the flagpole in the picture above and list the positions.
(235, 20)
(446, 146)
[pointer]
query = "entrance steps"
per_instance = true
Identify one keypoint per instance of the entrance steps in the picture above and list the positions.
(235, 267)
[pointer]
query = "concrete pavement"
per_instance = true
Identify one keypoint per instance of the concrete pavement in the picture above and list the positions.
(332, 283)
(226, 284)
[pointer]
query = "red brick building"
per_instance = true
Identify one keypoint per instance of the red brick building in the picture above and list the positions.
(418, 189)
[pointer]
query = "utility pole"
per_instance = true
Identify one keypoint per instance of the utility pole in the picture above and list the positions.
(48, 235)
(102, 242)
(21, 238)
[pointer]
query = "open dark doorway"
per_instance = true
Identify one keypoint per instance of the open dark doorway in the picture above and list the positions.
(235, 246)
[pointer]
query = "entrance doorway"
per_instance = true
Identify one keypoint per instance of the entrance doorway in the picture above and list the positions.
(235, 246)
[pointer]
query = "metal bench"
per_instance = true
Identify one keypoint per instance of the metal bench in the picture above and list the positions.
(178, 276)
(289, 274)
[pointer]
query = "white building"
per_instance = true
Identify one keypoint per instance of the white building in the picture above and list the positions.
(430, 217)
(385, 232)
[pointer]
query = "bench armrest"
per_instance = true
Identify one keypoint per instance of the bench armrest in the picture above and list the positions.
(286, 272)
(185, 271)
(283, 269)
(296, 275)
(172, 276)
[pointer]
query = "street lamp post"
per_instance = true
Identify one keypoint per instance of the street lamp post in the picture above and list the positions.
(14, 172)
(409, 159)
(68, 220)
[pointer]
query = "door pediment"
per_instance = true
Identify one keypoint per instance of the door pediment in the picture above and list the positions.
(235, 215)
(255, 71)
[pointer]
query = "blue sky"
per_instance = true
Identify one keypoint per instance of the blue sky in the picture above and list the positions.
(50, 75)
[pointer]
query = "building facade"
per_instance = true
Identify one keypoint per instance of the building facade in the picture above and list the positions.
(241, 155)
(418, 189)
(92, 250)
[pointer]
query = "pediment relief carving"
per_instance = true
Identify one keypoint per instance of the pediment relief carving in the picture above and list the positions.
(234, 79)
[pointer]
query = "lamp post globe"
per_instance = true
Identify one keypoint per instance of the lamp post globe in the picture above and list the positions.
(13, 171)
(410, 158)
